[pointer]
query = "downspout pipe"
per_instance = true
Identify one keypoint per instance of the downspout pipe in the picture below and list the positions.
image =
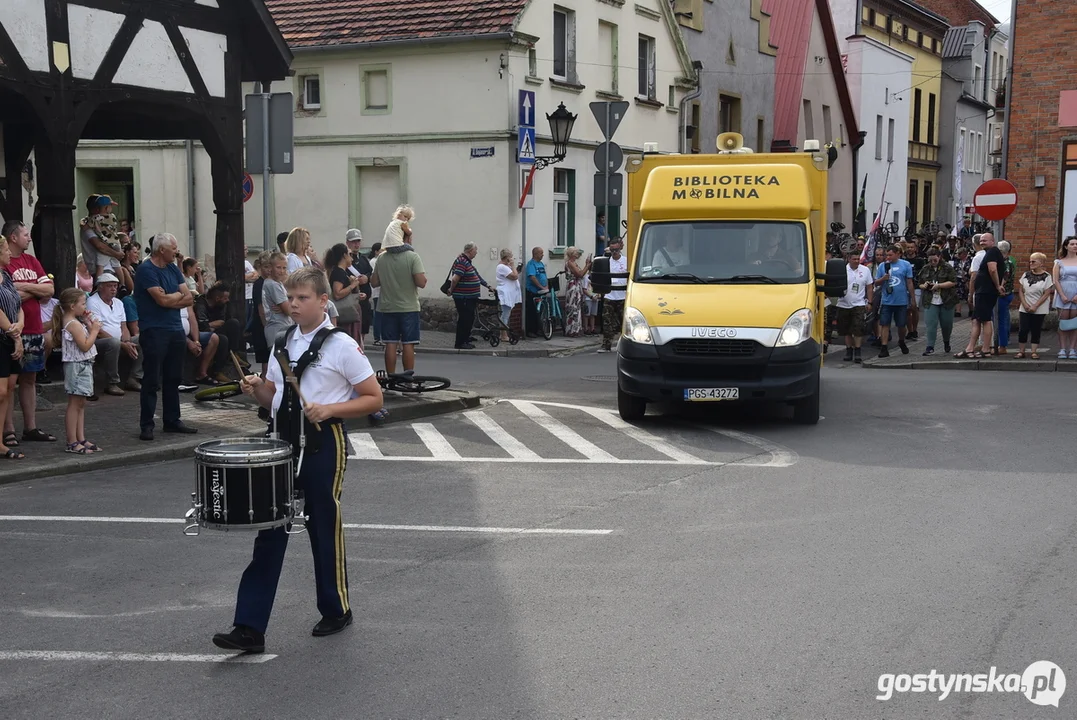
(697, 65)
(191, 204)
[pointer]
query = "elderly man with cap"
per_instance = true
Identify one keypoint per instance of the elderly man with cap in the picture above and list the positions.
(362, 269)
(114, 337)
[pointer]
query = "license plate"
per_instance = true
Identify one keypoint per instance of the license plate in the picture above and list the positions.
(711, 394)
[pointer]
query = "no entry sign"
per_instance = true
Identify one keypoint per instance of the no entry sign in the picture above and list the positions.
(995, 199)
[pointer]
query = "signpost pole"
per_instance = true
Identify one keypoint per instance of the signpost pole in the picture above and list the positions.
(265, 166)
(606, 199)
(523, 269)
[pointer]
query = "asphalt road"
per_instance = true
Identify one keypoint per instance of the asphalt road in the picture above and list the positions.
(728, 565)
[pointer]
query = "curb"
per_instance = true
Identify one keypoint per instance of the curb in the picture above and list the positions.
(992, 365)
(401, 409)
(508, 351)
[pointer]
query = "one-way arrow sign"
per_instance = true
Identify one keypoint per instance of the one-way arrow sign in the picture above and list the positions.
(526, 109)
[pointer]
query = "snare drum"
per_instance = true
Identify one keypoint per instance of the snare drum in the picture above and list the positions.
(244, 484)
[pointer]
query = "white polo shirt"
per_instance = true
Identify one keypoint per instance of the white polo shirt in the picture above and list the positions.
(329, 379)
(111, 316)
(248, 288)
(618, 266)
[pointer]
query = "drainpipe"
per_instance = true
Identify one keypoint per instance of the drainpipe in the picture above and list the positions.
(683, 140)
(191, 209)
(1009, 105)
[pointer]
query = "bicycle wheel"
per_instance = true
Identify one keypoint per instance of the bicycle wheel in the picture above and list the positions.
(218, 392)
(545, 321)
(417, 383)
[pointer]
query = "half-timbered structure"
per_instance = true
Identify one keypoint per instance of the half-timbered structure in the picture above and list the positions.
(128, 69)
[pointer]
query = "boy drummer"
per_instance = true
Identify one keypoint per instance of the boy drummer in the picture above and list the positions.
(337, 383)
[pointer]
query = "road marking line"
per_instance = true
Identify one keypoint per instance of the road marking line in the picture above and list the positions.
(779, 456)
(439, 447)
(364, 446)
(347, 526)
(133, 657)
(553, 461)
(563, 432)
(641, 436)
(501, 436)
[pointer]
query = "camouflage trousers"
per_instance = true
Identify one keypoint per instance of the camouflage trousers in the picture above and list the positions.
(612, 316)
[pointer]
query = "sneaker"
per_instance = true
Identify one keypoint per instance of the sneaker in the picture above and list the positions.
(904, 348)
(134, 385)
(856, 357)
(603, 350)
(1073, 354)
(929, 351)
(331, 626)
(883, 352)
(912, 336)
(241, 638)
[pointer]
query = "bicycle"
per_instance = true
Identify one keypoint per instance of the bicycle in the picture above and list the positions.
(409, 382)
(218, 392)
(549, 308)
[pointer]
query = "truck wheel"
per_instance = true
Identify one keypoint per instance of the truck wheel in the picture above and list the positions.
(806, 411)
(630, 407)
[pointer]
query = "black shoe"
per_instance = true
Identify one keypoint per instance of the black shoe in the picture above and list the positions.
(912, 336)
(43, 378)
(241, 638)
(146, 434)
(929, 351)
(180, 428)
(904, 347)
(883, 352)
(848, 355)
(465, 346)
(331, 626)
(957, 314)
(946, 347)
(93, 398)
(856, 357)
(472, 339)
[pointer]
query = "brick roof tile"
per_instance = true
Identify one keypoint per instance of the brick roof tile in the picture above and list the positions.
(326, 23)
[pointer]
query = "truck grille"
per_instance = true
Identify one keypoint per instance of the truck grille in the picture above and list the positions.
(713, 347)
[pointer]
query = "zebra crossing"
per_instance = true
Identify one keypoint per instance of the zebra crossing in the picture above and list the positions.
(529, 431)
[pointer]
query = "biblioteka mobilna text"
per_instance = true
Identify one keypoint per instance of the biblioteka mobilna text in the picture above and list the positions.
(728, 187)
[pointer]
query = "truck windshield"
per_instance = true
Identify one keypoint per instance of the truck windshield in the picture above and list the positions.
(734, 252)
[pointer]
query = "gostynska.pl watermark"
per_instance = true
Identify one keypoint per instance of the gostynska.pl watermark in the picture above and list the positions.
(1042, 682)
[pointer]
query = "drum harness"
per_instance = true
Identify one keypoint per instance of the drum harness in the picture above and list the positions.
(290, 401)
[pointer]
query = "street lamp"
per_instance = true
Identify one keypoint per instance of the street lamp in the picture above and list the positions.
(561, 122)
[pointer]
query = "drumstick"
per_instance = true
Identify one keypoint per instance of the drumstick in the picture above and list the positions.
(291, 378)
(238, 367)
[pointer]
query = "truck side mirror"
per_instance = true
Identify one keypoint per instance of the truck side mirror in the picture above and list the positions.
(601, 282)
(834, 282)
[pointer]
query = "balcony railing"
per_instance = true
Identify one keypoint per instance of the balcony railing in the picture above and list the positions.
(923, 152)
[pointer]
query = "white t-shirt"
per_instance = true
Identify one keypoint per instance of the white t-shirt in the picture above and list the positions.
(248, 289)
(618, 266)
(508, 291)
(676, 258)
(111, 317)
(977, 260)
(375, 293)
(1035, 291)
(295, 263)
(856, 293)
(330, 378)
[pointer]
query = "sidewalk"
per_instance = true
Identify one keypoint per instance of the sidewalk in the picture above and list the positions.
(112, 423)
(441, 343)
(915, 360)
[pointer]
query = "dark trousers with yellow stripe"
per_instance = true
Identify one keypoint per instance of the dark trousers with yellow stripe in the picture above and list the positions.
(322, 478)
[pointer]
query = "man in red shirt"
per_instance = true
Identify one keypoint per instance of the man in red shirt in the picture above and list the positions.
(34, 285)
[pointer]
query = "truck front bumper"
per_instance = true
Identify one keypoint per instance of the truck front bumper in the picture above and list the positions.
(662, 373)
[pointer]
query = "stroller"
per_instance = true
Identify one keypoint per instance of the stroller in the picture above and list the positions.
(488, 323)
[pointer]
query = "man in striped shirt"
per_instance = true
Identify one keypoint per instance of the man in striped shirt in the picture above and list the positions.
(464, 286)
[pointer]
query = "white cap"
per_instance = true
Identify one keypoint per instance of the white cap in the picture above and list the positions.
(107, 277)
(353, 235)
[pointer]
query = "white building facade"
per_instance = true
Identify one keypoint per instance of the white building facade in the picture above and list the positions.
(433, 123)
(879, 79)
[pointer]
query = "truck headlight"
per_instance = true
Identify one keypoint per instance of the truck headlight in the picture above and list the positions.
(636, 328)
(796, 330)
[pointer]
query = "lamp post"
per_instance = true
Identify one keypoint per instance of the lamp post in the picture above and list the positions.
(561, 122)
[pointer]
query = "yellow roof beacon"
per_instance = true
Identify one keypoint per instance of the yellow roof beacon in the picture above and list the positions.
(727, 279)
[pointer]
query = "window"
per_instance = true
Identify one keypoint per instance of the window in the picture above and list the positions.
(931, 118)
(977, 82)
(564, 45)
(828, 128)
(981, 155)
(728, 114)
(671, 97)
(928, 198)
(934, 46)
(917, 102)
(890, 141)
(871, 17)
(878, 137)
(376, 90)
(607, 48)
(532, 63)
(961, 150)
(914, 199)
(809, 122)
(564, 190)
(694, 127)
(920, 39)
(312, 92)
(760, 135)
(647, 70)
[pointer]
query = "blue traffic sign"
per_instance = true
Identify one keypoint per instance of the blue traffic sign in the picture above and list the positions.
(525, 147)
(526, 108)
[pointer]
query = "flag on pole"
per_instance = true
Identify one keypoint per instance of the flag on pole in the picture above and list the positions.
(868, 253)
(861, 223)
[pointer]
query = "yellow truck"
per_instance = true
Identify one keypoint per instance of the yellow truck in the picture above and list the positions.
(726, 280)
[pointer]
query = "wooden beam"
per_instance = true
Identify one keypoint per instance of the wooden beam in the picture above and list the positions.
(183, 50)
(199, 17)
(106, 71)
